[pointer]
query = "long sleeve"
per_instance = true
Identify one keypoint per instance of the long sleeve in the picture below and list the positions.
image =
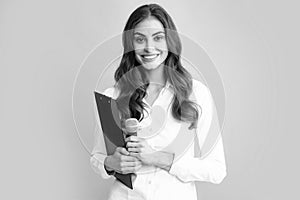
(99, 153)
(212, 166)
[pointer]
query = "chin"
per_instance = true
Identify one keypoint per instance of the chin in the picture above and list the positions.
(149, 66)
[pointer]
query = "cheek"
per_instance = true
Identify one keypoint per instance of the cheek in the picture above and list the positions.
(164, 55)
(138, 52)
(137, 56)
(162, 46)
(138, 48)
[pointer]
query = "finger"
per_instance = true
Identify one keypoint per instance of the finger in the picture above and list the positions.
(122, 151)
(134, 150)
(118, 149)
(134, 154)
(134, 144)
(132, 138)
(127, 170)
(124, 171)
(130, 164)
(128, 158)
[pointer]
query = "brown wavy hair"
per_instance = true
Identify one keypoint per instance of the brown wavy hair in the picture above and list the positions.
(132, 81)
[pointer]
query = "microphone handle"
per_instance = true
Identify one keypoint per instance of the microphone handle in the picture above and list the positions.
(128, 135)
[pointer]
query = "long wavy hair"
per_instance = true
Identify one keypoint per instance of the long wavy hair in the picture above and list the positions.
(132, 82)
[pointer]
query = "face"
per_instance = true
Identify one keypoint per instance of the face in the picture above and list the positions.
(150, 44)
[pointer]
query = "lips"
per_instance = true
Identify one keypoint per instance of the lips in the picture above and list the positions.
(149, 57)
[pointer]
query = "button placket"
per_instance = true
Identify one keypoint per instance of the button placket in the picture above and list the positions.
(152, 185)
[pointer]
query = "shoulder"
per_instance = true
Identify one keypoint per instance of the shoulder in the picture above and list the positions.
(200, 88)
(111, 92)
(201, 94)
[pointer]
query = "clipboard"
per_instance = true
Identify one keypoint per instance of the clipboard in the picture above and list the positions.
(113, 135)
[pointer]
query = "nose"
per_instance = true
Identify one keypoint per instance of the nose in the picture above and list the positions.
(149, 47)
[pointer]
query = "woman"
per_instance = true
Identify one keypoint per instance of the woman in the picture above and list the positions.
(151, 76)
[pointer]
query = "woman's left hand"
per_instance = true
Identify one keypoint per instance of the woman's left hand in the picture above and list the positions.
(139, 148)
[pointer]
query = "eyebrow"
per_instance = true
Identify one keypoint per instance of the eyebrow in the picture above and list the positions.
(138, 33)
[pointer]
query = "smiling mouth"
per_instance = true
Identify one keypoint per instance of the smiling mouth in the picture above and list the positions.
(149, 57)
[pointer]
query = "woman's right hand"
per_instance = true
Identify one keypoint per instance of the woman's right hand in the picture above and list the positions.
(121, 162)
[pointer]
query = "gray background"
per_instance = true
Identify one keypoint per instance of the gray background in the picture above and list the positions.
(254, 44)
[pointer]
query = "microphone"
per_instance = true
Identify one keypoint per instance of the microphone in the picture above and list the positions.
(131, 126)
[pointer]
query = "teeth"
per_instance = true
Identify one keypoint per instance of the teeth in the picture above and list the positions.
(150, 57)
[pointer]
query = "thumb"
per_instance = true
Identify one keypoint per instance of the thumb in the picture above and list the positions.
(124, 151)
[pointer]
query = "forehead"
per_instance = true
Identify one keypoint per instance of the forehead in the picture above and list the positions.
(149, 26)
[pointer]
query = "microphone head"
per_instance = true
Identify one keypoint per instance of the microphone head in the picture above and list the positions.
(131, 125)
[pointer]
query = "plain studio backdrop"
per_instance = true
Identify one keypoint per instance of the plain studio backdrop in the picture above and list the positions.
(253, 43)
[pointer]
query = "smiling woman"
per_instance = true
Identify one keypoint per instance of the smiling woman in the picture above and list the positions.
(150, 44)
(151, 75)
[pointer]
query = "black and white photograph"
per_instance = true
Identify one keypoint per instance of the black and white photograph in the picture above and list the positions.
(149, 100)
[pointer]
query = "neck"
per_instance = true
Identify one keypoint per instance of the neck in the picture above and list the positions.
(156, 77)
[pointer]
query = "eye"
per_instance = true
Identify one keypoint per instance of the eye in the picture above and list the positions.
(159, 38)
(139, 39)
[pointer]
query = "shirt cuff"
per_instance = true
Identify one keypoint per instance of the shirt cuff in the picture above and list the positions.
(195, 169)
(176, 169)
(97, 163)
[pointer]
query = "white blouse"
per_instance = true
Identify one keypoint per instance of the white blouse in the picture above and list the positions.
(163, 132)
